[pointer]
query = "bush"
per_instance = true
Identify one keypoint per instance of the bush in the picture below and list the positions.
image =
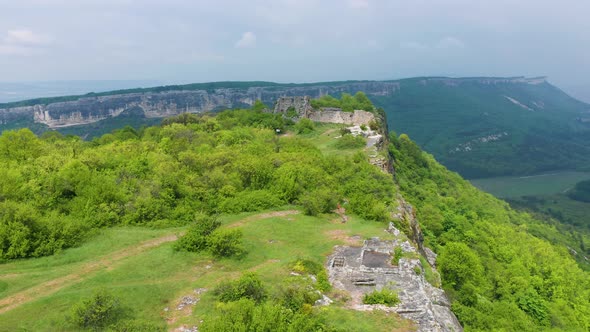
(226, 242)
(311, 267)
(297, 292)
(397, 254)
(246, 315)
(318, 201)
(304, 126)
(195, 239)
(417, 270)
(259, 105)
(385, 296)
(249, 286)
(350, 142)
(96, 312)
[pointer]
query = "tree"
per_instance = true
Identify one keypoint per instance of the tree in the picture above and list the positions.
(459, 265)
(19, 145)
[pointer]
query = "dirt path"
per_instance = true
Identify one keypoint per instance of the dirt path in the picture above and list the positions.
(105, 262)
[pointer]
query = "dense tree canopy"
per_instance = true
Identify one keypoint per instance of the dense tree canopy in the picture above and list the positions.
(54, 189)
(499, 276)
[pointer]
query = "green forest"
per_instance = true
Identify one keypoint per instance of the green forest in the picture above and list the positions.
(58, 192)
(495, 263)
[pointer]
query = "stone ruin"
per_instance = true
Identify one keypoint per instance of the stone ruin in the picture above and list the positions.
(302, 106)
(361, 270)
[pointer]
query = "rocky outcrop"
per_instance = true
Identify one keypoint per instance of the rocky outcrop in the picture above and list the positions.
(300, 106)
(361, 270)
(406, 215)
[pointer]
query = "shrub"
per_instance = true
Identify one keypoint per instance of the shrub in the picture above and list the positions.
(417, 270)
(311, 267)
(259, 105)
(385, 296)
(247, 201)
(374, 125)
(225, 242)
(350, 142)
(397, 254)
(246, 315)
(96, 312)
(195, 239)
(318, 201)
(291, 112)
(248, 286)
(304, 126)
(296, 292)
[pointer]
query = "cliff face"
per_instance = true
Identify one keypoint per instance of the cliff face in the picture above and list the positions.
(164, 101)
(162, 104)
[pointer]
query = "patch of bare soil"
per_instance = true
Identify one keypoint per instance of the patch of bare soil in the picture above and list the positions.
(342, 235)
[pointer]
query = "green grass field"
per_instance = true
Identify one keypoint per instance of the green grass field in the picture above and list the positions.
(543, 184)
(150, 279)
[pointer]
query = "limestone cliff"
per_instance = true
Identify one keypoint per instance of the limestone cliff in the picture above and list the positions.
(167, 101)
(91, 109)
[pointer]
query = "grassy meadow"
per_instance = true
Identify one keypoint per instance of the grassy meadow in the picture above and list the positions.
(148, 281)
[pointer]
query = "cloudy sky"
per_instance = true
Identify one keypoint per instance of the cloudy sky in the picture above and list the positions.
(293, 40)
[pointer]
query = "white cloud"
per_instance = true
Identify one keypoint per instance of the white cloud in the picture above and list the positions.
(248, 40)
(358, 3)
(25, 37)
(23, 42)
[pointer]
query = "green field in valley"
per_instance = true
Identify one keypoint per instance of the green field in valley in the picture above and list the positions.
(542, 184)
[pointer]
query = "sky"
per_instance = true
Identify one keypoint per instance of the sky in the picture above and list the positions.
(294, 40)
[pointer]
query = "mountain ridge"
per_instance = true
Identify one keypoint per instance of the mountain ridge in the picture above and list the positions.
(477, 126)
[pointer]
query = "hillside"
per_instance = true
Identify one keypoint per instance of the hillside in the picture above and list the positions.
(172, 219)
(479, 127)
(485, 128)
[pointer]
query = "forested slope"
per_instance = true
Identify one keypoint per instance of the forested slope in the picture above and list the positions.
(496, 264)
(481, 129)
(499, 275)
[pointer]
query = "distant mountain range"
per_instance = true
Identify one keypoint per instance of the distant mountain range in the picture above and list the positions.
(480, 127)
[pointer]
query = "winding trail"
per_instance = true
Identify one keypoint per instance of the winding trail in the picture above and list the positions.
(107, 262)
(104, 262)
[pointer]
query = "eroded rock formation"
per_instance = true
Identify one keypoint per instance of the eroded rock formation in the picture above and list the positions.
(361, 270)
